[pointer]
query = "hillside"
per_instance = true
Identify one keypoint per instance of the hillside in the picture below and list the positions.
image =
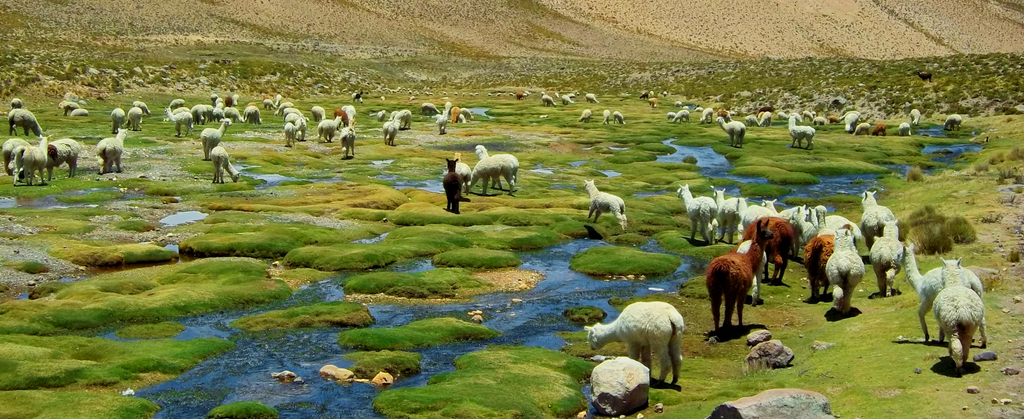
(645, 30)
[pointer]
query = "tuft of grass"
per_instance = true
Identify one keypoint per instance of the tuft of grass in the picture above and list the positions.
(1015, 154)
(477, 258)
(418, 334)
(935, 232)
(151, 331)
(677, 242)
(138, 226)
(915, 174)
(981, 167)
(436, 283)
(616, 260)
(334, 314)
(1014, 256)
(500, 381)
(29, 267)
(243, 410)
(114, 255)
(272, 240)
(46, 289)
(584, 314)
(397, 363)
(690, 160)
(74, 404)
(960, 230)
(758, 190)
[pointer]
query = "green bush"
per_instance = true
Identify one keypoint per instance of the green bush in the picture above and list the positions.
(243, 410)
(915, 174)
(960, 230)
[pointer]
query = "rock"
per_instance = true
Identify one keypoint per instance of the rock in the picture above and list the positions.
(973, 390)
(771, 354)
(639, 416)
(477, 318)
(128, 392)
(985, 356)
(92, 71)
(284, 376)
(1010, 371)
(1017, 299)
(619, 386)
(917, 370)
(778, 403)
(1006, 401)
(658, 408)
(982, 272)
(517, 300)
(758, 336)
(581, 415)
(337, 374)
(995, 400)
(821, 346)
(383, 379)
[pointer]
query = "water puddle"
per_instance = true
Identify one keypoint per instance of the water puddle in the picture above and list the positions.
(183, 217)
(55, 202)
(934, 131)
(271, 180)
(649, 194)
(578, 163)
(610, 173)
(949, 152)
(539, 168)
(618, 148)
(481, 112)
(378, 163)
(372, 240)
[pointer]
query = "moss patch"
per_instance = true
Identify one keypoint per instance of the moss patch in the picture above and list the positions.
(74, 404)
(138, 226)
(335, 314)
(584, 314)
(500, 381)
(243, 410)
(269, 240)
(418, 334)
(477, 258)
(615, 260)
(151, 331)
(114, 255)
(29, 267)
(675, 242)
(436, 283)
(397, 363)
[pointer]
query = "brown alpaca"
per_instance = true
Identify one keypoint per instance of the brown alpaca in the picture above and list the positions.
(229, 101)
(731, 275)
(520, 95)
(645, 95)
(653, 101)
(816, 255)
(879, 129)
(723, 113)
(765, 109)
(455, 114)
(832, 119)
(344, 117)
(778, 249)
(452, 186)
(925, 76)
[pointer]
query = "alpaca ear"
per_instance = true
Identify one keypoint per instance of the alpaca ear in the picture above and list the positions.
(959, 261)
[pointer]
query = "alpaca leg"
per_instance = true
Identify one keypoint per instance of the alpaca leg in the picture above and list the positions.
(634, 351)
(645, 356)
(597, 213)
(693, 228)
(72, 167)
(881, 280)
(716, 307)
(984, 336)
(664, 362)
(591, 214)
(118, 161)
(921, 311)
(675, 353)
(739, 311)
(730, 303)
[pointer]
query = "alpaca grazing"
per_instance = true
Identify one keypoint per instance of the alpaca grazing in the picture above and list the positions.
(452, 187)
(645, 327)
(879, 129)
(778, 249)
(604, 202)
(816, 255)
(960, 312)
(844, 269)
(925, 76)
(731, 276)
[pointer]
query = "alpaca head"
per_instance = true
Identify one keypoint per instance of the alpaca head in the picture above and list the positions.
(868, 197)
(764, 234)
(588, 185)
(595, 337)
(952, 273)
(683, 190)
(451, 164)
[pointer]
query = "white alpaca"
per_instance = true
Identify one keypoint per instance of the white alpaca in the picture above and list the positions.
(706, 115)
(801, 218)
(404, 118)
(67, 106)
(442, 123)
(728, 215)
(291, 114)
(915, 117)
(135, 119)
(318, 113)
(701, 211)
(751, 120)
(79, 113)
(928, 286)
(678, 104)
(348, 142)
(607, 114)
(800, 133)
(749, 214)
(176, 103)
(350, 111)
(181, 119)
(507, 160)
(199, 114)
(60, 152)
(23, 118)
(251, 114)
(904, 130)
(808, 115)
(282, 107)
(326, 129)
(221, 164)
(863, 129)
(488, 169)
(885, 254)
(683, 115)
(28, 160)
(952, 122)
(601, 202)
(429, 109)
(210, 137)
(959, 311)
(566, 100)
(591, 98)
(109, 151)
(465, 173)
(872, 221)
(844, 269)
(819, 120)
(735, 129)
(214, 98)
(390, 130)
(850, 119)
(618, 118)
(8, 152)
(585, 117)
(547, 100)
(465, 115)
(17, 103)
(291, 134)
(645, 327)
(766, 120)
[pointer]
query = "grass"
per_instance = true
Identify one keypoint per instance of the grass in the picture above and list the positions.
(934, 232)
(435, 283)
(915, 174)
(587, 315)
(151, 331)
(677, 242)
(397, 363)
(138, 226)
(243, 410)
(756, 190)
(335, 314)
(615, 260)
(146, 295)
(272, 240)
(113, 255)
(418, 334)
(29, 266)
(500, 381)
(476, 258)
(29, 404)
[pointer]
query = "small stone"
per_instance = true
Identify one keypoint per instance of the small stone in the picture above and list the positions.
(1006, 311)
(337, 374)
(985, 356)
(517, 300)
(284, 376)
(1010, 371)
(758, 336)
(639, 416)
(658, 408)
(917, 370)
(973, 390)
(477, 318)
(1017, 299)
(581, 415)
(771, 354)
(821, 346)
(963, 408)
(1006, 401)
(32, 283)
(995, 400)
(383, 379)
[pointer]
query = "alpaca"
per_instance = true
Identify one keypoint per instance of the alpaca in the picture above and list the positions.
(645, 95)
(952, 122)
(749, 214)
(547, 100)
(701, 211)
(520, 95)
(618, 118)
(735, 129)
(915, 117)
(732, 275)
(8, 152)
(23, 118)
(30, 159)
(348, 142)
(800, 133)
(765, 120)
(60, 152)
(327, 128)
(878, 130)
(872, 221)
(653, 102)
(135, 118)
(844, 269)
(222, 163)
(318, 113)
(67, 106)
(904, 130)
(863, 129)
(390, 130)
(452, 187)
(925, 76)
(591, 98)
(109, 150)
(850, 119)
(728, 215)
(607, 114)
(428, 109)
(210, 137)
(959, 311)
(645, 327)
(722, 113)
(176, 103)
(404, 119)
(465, 172)
(751, 120)
(930, 284)
(779, 249)
(566, 100)
(604, 202)
(291, 133)
(707, 115)
(884, 256)
(819, 120)
(683, 115)
(585, 117)
(816, 256)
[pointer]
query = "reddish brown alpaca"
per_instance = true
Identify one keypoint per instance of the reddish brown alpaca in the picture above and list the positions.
(732, 274)
(816, 255)
(520, 95)
(723, 113)
(344, 117)
(765, 109)
(878, 130)
(832, 119)
(455, 114)
(778, 249)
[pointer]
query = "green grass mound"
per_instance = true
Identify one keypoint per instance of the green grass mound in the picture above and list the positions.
(627, 239)
(678, 242)
(29, 267)
(115, 255)
(477, 258)
(335, 314)
(757, 190)
(73, 404)
(39, 362)
(776, 175)
(584, 314)
(151, 331)
(615, 260)
(268, 240)
(436, 283)
(243, 410)
(146, 295)
(138, 226)
(499, 382)
(418, 334)
(397, 363)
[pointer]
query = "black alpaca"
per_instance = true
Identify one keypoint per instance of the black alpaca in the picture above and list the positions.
(925, 76)
(452, 187)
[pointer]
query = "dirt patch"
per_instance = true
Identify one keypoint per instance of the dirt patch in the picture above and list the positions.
(515, 280)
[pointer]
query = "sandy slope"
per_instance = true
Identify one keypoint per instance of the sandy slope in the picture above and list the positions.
(608, 29)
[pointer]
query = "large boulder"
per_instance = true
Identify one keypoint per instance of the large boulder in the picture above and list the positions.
(771, 354)
(619, 386)
(332, 372)
(758, 336)
(788, 403)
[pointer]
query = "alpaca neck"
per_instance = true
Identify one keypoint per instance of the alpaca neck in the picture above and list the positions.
(232, 171)
(590, 189)
(687, 197)
(604, 334)
(792, 122)
(910, 267)
(721, 123)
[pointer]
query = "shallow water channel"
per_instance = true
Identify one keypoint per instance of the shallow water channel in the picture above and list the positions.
(244, 373)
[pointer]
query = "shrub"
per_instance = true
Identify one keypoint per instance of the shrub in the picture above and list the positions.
(1015, 154)
(981, 167)
(1014, 256)
(931, 239)
(960, 230)
(690, 159)
(915, 174)
(996, 159)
